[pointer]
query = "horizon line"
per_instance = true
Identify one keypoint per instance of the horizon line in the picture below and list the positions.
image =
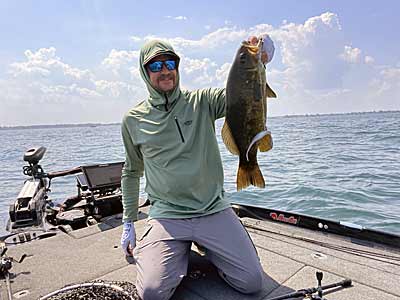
(86, 124)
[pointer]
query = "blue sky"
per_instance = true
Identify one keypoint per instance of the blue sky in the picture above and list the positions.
(76, 61)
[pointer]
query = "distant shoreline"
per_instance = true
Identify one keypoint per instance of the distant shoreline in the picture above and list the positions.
(110, 124)
(56, 126)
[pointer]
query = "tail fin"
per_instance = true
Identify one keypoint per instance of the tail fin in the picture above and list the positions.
(249, 175)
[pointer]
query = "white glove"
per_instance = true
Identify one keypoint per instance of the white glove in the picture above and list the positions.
(268, 47)
(128, 238)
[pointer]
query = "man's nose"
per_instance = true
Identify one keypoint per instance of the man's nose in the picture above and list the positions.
(164, 69)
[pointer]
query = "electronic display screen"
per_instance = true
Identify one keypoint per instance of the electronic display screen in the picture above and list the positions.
(104, 175)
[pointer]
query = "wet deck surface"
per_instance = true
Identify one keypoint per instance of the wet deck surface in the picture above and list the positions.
(289, 262)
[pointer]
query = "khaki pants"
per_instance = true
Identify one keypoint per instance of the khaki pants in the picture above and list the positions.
(162, 253)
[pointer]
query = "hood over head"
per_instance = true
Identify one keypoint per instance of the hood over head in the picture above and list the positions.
(149, 51)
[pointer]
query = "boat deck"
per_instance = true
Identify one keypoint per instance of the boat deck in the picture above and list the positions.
(290, 257)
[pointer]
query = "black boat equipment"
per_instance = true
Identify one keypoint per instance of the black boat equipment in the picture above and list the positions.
(34, 216)
(308, 293)
(5, 267)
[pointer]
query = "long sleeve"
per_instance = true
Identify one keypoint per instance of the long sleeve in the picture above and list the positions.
(216, 99)
(131, 173)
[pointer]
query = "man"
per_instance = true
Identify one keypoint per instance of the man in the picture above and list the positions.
(171, 137)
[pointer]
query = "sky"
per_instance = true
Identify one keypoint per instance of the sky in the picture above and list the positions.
(77, 61)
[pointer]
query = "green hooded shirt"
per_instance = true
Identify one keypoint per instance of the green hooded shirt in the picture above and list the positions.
(171, 139)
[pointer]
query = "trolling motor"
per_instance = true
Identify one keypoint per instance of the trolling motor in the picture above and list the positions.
(308, 293)
(28, 209)
(5, 267)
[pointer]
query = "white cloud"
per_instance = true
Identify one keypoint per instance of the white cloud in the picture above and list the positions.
(221, 74)
(178, 18)
(314, 71)
(351, 55)
(120, 61)
(199, 73)
(387, 85)
(208, 42)
(117, 58)
(45, 62)
(310, 51)
(135, 39)
(369, 59)
(43, 80)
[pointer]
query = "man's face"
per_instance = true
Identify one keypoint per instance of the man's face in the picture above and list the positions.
(164, 80)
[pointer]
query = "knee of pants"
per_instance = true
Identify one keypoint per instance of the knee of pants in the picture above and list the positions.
(254, 282)
(251, 282)
(154, 292)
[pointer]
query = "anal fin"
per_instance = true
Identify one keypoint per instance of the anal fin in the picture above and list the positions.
(266, 143)
(258, 137)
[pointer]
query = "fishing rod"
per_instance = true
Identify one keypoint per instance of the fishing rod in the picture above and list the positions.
(308, 292)
(5, 267)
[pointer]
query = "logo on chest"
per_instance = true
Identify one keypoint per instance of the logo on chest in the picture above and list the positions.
(187, 123)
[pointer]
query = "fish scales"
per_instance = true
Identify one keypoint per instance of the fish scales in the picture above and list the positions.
(245, 120)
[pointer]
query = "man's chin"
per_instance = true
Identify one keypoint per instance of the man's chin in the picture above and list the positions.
(166, 88)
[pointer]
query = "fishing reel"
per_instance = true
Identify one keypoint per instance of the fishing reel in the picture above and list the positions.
(5, 267)
(319, 276)
(6, 262)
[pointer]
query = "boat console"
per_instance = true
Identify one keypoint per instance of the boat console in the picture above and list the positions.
(98, 195)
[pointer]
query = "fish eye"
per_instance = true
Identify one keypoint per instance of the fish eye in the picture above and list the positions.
(242, 57)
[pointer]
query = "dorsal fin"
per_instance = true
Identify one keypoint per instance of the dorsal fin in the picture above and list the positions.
(270, 92)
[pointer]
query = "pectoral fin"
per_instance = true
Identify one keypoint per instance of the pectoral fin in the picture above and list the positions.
(266, 143)
(229, 142)
(270, 92)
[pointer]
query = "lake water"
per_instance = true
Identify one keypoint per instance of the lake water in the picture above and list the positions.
(343, 167)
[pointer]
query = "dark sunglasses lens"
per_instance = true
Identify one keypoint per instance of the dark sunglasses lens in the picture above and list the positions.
(170, 64)
(156, 66)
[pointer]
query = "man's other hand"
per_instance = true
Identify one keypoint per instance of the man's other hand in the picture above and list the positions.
(268, 48)
(128, 238)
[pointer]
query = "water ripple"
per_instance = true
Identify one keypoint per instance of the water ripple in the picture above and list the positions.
(341, 167)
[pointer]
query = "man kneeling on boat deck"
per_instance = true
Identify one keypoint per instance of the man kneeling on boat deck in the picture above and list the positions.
(171, 138)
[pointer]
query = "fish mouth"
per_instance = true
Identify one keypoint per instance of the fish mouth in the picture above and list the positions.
(252, 49)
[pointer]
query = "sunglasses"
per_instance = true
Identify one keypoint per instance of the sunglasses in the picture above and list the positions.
(156, 66)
